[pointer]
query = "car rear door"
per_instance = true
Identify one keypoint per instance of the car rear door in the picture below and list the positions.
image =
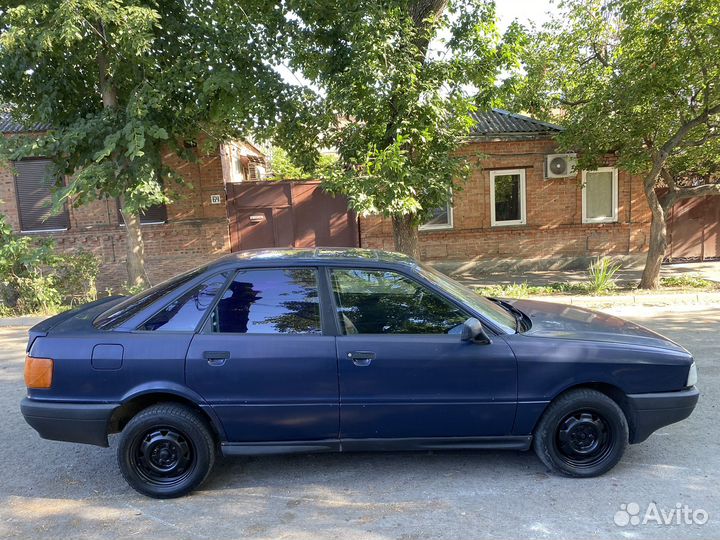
(262, 362)
(404, 371)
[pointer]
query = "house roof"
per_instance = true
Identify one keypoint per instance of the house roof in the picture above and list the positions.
(8, 125)
(499, 122)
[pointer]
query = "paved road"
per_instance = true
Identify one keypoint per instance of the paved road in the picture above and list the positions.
(57, 490)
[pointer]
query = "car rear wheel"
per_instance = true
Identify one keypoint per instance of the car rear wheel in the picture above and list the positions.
(166, 451)
(583, 433)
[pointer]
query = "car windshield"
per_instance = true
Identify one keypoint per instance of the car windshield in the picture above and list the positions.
(119, 313)
(496, 313)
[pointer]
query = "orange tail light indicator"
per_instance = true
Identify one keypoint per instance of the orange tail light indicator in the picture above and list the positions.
(38, 372)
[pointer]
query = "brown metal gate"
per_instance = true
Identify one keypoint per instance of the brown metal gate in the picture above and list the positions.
(288, 214)
(694, 229)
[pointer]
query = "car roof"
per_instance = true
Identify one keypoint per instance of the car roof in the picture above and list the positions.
(324, 255)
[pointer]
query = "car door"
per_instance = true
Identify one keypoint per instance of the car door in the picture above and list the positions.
(404, 371)
(262, 362)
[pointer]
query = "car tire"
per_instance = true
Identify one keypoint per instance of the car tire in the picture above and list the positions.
(583, 433)
(166, 451)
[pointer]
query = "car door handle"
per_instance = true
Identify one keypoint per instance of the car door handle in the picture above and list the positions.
(361, 358)
(216, 358)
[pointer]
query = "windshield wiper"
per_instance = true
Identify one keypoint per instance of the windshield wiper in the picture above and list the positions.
(516, 313)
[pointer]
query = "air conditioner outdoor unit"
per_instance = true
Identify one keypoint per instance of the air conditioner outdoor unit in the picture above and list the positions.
(560, 165)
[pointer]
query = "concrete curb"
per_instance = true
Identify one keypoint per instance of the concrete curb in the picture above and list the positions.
(634, 299)
(27, 320)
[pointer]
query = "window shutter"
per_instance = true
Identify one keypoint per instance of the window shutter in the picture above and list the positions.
(34, 197)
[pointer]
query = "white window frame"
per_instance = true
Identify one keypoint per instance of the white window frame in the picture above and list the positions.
(615, 184)
(523, 216)
(441, 226)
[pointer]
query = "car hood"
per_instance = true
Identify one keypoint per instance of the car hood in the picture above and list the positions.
(571, 322)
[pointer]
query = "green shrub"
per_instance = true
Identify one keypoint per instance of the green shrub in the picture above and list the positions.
(33, 279)
(26, 285)
(601, 275)
(131, 290)
(76, 275)
(37, 294)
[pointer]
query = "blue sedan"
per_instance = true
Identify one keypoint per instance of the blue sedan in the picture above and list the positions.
(337, 350)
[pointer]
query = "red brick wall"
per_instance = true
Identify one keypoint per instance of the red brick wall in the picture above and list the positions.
(196, 231)
(554, 214)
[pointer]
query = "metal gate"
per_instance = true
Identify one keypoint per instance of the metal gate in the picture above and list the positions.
(694, 229)
(288, 214)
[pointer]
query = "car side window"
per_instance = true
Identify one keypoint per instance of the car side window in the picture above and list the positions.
(184, 313)
(270, 301)
(385, 302)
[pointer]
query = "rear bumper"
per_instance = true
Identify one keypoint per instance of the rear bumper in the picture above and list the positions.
(650, 412)
(72, 422)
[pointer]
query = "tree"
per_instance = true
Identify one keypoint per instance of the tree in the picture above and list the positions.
(397, 81)
(640, 78)
(122, 82)
(283, 167)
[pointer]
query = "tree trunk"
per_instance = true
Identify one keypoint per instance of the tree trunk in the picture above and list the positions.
(135, 249)
(405, 233)
(658, 240)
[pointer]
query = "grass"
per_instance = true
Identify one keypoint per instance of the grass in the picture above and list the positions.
(687, 282)
(590, 288)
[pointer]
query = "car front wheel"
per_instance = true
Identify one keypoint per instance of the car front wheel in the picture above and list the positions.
(166, 451)
(583, 433)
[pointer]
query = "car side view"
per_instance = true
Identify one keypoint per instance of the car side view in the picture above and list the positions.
(330, 350)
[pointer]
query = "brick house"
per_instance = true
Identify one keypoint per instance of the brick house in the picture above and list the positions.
(179, 236)
(509, 213)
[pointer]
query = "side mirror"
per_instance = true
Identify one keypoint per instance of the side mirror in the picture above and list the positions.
(473, 332)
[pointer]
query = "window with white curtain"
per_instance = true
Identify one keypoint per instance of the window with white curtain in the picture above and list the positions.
(600, 195)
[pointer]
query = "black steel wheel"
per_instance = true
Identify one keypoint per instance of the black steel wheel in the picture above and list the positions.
(583, 433)
(584, 438)
(166, 451)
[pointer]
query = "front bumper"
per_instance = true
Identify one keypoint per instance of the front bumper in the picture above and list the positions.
(650, 412)
(72, 422)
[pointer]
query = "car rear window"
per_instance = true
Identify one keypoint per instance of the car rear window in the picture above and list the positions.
(128, 308)
(183, 314)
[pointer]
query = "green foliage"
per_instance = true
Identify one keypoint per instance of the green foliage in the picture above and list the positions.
(24, 281)
(601, 275)
(687, 282)
(600, 283)
(284, 168)
(122, 81)
(635, 77)
(524, 290)
(33, 279)
(76, 276)
(129, 289)
(515, 290)
(396, 108)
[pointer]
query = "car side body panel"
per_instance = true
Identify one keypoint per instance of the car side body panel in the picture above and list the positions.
(284, 394)
(269, 388)
(426, 386)
(567, 363)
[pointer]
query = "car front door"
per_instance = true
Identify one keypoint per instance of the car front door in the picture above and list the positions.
(262, 361)
(404, 371)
